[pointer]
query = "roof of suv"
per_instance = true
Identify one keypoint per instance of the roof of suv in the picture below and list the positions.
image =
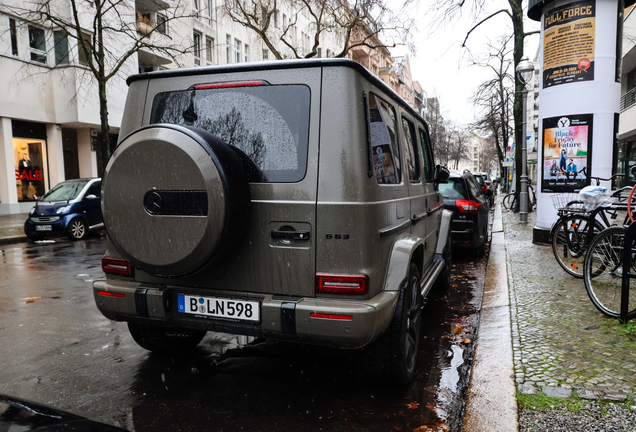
(280, 64)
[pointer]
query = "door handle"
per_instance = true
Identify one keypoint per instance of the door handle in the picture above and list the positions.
(290, 235)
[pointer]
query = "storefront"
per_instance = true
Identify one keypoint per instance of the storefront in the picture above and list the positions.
(30, 161)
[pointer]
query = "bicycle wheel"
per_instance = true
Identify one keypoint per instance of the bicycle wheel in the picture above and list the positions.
(603, 270)
(569, 242)
(508, 201)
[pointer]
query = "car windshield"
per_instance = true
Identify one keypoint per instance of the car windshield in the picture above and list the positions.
(65, 191)
(454, 189)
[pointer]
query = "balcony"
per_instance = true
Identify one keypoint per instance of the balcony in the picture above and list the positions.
(628, 99)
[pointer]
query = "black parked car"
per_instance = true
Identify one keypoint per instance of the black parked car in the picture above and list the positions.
(464, 197)
(484, 184)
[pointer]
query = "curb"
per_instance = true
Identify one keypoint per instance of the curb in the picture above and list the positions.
(491, 401)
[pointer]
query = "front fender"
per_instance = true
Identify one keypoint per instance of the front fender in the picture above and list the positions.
(400, 260)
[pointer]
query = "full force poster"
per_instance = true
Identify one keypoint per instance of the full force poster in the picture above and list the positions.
(567, 149)
(568, 43)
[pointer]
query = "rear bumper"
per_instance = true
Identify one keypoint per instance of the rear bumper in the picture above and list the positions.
(466, 234)
(284, 318)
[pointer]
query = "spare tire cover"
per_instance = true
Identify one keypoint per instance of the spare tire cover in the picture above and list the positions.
(174, 198)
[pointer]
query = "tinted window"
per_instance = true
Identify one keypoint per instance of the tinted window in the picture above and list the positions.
(412, 157)
(454, 189)
(479, 179)
(427, 155)
(386, 154)
(64, 191)
(268, 126)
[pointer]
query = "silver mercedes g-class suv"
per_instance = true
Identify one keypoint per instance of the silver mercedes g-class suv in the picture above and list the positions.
(288, 200)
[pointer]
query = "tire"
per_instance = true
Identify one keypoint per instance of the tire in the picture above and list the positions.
(630, 205)
(569, 242)
(165, 340)
(393, 356)
(77, 229)
(603, 273)
(207, 203)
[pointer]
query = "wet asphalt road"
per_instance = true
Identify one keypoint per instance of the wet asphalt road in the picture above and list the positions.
(56, 348)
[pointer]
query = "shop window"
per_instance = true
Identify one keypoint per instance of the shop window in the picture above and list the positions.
(37, 43)
(14, 37)
(61, 47)
(29, 168)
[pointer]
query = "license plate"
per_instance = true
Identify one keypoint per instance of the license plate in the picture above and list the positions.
(43, 227)
(220, 307)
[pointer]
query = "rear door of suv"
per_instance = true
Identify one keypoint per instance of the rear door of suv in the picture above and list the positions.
(274, 122)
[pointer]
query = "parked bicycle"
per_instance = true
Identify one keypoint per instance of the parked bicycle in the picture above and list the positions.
(603, 266)
(577, 225)
(510, 200)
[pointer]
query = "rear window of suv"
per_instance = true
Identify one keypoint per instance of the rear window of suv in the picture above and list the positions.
(454, 189)
(268, 124)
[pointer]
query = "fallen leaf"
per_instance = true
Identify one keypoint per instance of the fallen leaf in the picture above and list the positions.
(412, 405)
(422, 429)
(457, 329)
(467, 341)
(575, 267)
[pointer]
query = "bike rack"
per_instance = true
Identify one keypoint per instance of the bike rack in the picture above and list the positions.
(627, 275)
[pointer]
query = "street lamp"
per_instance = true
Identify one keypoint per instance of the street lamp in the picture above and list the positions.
(525, 69)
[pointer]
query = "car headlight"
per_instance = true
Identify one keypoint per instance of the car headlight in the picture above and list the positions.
(64, 209)
(32, 210)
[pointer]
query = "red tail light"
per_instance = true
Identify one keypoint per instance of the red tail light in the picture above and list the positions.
(465, 206)
(110, 294)
(484, 188)
(228, 84)
(117, 267)
(342, 284)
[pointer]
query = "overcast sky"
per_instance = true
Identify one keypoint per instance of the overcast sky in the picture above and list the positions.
(443, 68)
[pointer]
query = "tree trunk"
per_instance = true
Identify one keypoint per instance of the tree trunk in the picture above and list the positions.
(517, 25)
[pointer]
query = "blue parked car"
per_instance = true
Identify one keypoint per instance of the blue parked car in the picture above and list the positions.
(70, 208)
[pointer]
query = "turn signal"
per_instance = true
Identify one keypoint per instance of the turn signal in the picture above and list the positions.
(342, 284)
(117, 267)
(465, 206)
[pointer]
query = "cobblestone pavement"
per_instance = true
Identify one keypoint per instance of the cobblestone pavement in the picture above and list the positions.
(560, 341)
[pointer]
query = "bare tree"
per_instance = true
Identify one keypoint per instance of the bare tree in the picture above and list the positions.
(494, 98)
(107, 35)
(458, 144)
(449, 10)
(437, 130)
(354, 23)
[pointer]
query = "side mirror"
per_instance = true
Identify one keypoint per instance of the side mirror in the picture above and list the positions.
(90, 196)
(442, 174)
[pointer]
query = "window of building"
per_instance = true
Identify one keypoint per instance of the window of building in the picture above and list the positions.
(37, 43)
(284, 21)
(60, 42)
(162, 24)
(196, 10)
(82, 58)
(196, 48)
(30, 175)
(210, 10)
(209, 57)
(237, 50)
(237, 7)
(228, 48)
(328, 53)
(247, 49)
(263, 15)
(265, 54)
(319, 52)
(276, 24)
(14, 37)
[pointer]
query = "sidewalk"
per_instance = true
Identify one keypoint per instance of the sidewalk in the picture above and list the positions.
(12, 228)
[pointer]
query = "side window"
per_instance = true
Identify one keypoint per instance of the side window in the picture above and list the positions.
(94, 189)
(475, 190)
(427, 156)
(386, 153)
(412, 156)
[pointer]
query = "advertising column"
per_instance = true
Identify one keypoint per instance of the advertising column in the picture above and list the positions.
(579, 97)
